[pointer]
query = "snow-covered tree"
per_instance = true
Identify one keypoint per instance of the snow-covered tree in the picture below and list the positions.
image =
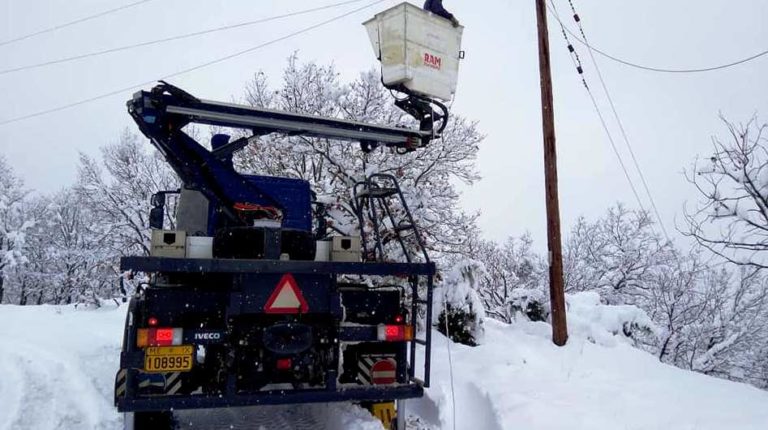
(709, 317)
(117, 189)
(733, 326)
(28, 281)
(731, 217)
(616, 255)
(82, 263)
(14, 222)
(426, 176)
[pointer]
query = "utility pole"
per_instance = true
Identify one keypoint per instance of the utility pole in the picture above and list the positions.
(556, 290)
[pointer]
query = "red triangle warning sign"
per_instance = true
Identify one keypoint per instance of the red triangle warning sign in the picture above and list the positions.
(286, 298)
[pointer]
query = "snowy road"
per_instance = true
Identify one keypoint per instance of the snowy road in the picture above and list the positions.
(267, 418)
(57, 367)
(303, 417)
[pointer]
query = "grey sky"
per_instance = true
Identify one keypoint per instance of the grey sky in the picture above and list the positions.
(669, 118)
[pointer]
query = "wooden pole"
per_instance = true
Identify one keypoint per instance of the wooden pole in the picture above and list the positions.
(556, 290)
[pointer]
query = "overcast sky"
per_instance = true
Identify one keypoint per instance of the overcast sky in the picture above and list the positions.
(669, 118)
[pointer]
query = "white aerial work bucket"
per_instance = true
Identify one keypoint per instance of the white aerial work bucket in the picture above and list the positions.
(417, 49)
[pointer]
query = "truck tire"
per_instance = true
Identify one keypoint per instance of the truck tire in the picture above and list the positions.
(148, 421)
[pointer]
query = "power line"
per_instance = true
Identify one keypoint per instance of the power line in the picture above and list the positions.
(71, 23)
(577, 63)
(661, 69)
(188, 70)
(173, 38)
(577, 19)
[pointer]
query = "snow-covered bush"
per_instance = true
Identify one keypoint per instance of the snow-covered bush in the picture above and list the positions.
(459, 305)
(531, 304)
(513, 281)
(605, 324)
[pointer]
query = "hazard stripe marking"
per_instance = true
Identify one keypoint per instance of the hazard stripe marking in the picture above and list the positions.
(172, 383)
(120, 382)
(171, 379)
(174, 389)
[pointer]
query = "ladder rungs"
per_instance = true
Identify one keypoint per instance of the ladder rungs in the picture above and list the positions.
(420, 342)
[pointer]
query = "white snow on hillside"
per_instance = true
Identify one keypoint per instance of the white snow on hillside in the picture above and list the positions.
(57, 366)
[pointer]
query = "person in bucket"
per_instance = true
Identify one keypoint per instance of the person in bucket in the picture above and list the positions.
(436, 7)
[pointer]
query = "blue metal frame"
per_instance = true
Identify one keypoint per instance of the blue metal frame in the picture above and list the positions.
(281, 397)
(190, 265)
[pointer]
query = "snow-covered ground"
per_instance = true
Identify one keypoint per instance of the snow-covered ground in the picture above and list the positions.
(57, 366)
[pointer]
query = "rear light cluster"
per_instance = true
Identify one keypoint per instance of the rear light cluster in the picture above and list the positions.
(158, 337)
(395, 333)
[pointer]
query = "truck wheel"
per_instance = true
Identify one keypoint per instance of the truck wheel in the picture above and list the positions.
(148, 421)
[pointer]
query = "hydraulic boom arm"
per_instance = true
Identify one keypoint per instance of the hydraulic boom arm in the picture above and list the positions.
(163, 112)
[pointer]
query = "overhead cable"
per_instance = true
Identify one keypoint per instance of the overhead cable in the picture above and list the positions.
(173, 38)
(579, 68)
(71, 23)
(577, 19)
(661, 69)
(188, 70)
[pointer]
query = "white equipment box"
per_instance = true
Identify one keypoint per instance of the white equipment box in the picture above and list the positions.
(346, 249)
(199, 247)
(417, 49)
(168, 243)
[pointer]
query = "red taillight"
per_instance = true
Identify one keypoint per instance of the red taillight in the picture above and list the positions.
(152, 321)
(158, 337)
(399, 319)
(164, 336)
(395, 333)
(284, 364)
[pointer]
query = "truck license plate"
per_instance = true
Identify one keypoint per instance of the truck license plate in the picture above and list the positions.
(160, 359)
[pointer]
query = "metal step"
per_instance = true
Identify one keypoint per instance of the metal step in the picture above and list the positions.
(404, 227)
(420, 342)
(378, 193)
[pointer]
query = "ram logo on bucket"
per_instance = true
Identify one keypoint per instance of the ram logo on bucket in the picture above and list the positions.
(433, 61)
